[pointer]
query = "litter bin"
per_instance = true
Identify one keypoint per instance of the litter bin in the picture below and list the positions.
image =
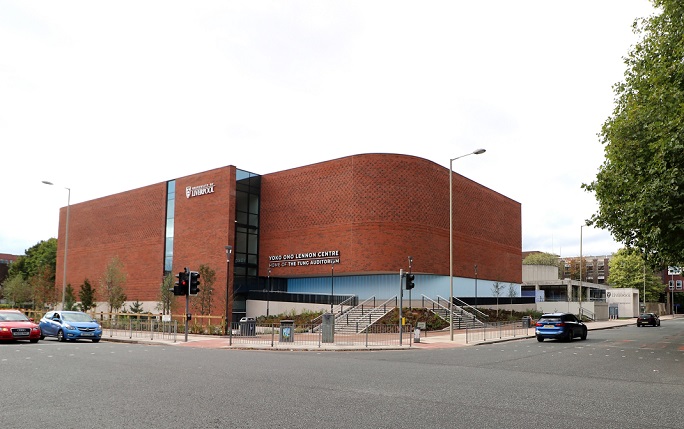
(526, 322)
(247, 326)
(287, 331)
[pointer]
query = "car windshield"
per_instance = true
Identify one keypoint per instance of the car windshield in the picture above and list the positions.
(550, 319)
(76, 317)
(13, 317)
(645, 316)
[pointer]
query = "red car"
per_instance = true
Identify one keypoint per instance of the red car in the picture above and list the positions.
(14, 325)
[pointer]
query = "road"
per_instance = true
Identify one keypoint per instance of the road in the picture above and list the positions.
(627, 377)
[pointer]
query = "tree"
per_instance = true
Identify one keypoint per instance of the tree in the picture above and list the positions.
(512, 293)
(541, 258)
(42, 284)
(16, 290)
(627, 271)
(166, 294)
(37, 270)
(136, 307)
(207, 279)
(69, 298)
(639, 185)
(497, 290)
(87, 295)
(42, 254)
(112, 283)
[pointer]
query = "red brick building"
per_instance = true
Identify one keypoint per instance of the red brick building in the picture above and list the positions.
(367, 213)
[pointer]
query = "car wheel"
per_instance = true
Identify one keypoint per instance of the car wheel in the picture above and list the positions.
(638, 325)
(60, 336)
(584, 334)
(34, 340)
(42, 337)
(540, 338)
(569, 335)
(96, 340)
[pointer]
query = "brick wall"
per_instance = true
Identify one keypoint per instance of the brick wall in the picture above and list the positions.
(378, 209)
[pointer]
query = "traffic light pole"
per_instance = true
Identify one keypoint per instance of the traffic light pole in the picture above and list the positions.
(187, 306)
(401, 304)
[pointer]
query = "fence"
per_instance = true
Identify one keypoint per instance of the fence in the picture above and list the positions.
(497, 330)
(151, 326)
(283, 335)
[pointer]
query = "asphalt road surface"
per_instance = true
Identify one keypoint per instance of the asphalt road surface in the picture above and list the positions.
(626, 377)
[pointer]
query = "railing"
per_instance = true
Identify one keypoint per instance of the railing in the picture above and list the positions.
(583, 312)
(497, 331)
(132, 328)
(284, 335)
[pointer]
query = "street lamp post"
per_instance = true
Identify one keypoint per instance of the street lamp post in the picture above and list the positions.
(475, 285)
(451, 240)
(66, 243)
(268, 293)
(229, 250)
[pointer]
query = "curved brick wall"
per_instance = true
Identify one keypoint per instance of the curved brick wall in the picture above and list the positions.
(377, 209)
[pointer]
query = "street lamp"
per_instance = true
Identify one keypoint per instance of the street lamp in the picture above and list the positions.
(451, 240)
(66, 242)
(268, 293)
(229, 250)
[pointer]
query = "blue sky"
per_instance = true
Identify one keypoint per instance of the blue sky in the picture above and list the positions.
(103, 97)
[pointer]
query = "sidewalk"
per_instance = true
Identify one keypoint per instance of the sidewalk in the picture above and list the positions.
(430, 340)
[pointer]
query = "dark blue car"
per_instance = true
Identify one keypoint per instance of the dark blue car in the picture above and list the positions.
(70, 325)
(561, 326)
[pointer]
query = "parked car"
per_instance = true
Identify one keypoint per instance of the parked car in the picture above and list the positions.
(648, 319)
(70, 325)
(562, 326)
(14, 325)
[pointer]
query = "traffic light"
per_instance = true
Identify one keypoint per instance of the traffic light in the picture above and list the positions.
(181, 286)
(194, 282)
(409, 281)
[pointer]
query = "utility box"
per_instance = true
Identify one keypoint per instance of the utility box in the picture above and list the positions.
(287, 331)
(328, 328)
(247, 326)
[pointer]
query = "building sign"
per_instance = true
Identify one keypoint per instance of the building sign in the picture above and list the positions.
(195, 191)
(674, 271)
(325, 257)
(620, 296)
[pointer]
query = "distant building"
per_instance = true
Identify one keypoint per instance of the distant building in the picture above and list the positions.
(595, 269)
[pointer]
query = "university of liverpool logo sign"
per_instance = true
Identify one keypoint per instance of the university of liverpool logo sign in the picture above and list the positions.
(195, 191)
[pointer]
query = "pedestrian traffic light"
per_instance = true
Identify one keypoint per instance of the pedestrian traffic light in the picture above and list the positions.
(194, 282)
(409, 281)
(181, 286)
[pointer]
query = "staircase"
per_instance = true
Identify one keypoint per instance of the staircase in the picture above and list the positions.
(462, 318)
(358, 319)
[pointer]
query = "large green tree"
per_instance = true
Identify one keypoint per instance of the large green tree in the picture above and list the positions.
(639, 186)
(628, 270)
(41, 255)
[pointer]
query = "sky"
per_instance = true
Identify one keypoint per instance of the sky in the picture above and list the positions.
(102, 97)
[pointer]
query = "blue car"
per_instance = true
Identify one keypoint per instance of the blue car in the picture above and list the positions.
(561, 326)
(70, 325)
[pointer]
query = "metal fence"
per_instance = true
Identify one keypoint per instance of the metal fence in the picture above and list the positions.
(151, 328)
(283, 335)
(497, 331)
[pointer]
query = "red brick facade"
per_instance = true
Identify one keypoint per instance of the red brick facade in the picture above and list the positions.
(376, 209)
